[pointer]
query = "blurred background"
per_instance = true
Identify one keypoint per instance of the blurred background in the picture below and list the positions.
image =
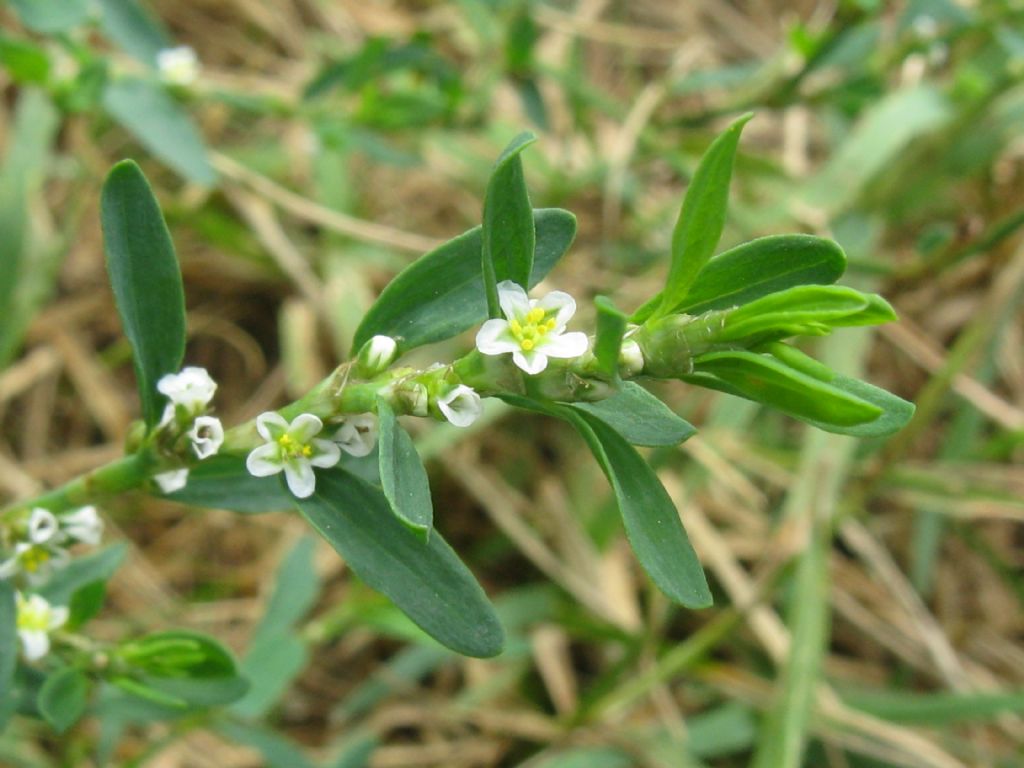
(321, 145)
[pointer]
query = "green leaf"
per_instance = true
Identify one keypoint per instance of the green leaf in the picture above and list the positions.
(144, 274)
(85, 603)
(702, 216)
(766, 380)
(49, 17)
(805, 309)
(27, 274)
(134, 29)
(508, 232)
(651, 520)
(611, 327)
(402, 474)
(755, 269)
(276, 751)
(183, 669)
(25, 62)
(648, 514)
(896, 412)
(8, 646)
(935, 709)
(63, 698)
(83, 571)
(277, 655)
(640, 417)
(146, 111)
(223, 482)
(270, 666)
(426, 580)
(441, 294)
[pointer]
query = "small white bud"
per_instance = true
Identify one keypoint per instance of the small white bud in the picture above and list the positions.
(207, 435)
(172, 481)
(178, 66)
(376, 355)
(631, 358)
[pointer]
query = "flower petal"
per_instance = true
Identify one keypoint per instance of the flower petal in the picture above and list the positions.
(35, 643)
(207, 436)
(301, 478)
(271, 425)
(566, 345)
(513, 300)
(264, 461)
(58, 616)
(42, 525)
(172, 481)
(461, 406)
(358, 435)
(532, 362)
(561, 305)
(325, 453)
(495, 338)
(304, 427)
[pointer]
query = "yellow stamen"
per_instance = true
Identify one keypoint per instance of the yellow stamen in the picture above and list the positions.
(307, 450)
(526, 344)
(285, 441)
(535, 315)
(515, 327)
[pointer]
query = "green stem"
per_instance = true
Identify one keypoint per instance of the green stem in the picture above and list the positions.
(120, 475)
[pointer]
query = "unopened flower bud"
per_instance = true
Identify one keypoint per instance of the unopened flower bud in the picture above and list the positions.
(631, 358)
(376, 355)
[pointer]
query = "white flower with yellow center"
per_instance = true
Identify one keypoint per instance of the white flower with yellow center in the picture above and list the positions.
(533, 329)
(36, 561)
(36, 620)
(292, 448)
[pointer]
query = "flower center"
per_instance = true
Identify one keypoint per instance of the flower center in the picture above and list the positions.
(293, 449)
(34, 558)
(33, 618)
(531, 328)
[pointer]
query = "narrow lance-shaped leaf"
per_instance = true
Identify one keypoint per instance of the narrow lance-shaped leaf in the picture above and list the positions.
(766, 380)
(441, 294)
(132, 27)
(160, 124)
(508, 223)
(896, 412)
(402, 474)
(648, 514)
(63, 697)
(611, 327)
(8, 646)
(640, 417)
(146, 280)
(755, 269)
(426, 580)
(702, 216)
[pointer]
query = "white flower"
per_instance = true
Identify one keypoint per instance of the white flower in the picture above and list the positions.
(207, 435)
(358, 435)
(192, 389)
(534, 329)
(293, 448)
(377, 354)
(171, 481)
(36, 620)
(461, 405)
(178, 66)
(42, 525)
(36, 561)
(83, 525)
